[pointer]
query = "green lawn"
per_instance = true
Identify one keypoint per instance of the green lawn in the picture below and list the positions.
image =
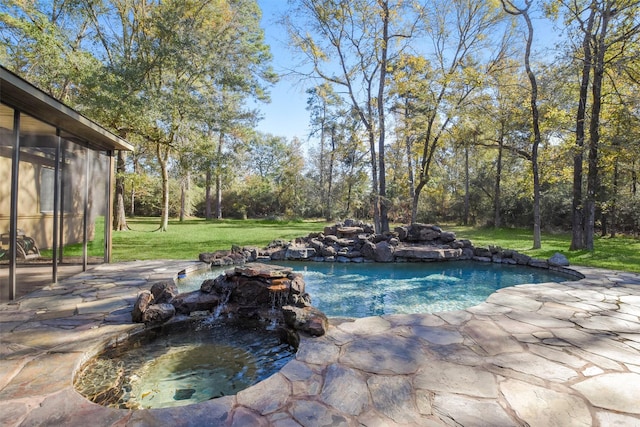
(186, 240)
(619, 253)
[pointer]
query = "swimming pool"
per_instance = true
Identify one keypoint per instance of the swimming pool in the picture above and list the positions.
(374, 289)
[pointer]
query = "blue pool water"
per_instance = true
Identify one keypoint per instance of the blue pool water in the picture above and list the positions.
(373, 289)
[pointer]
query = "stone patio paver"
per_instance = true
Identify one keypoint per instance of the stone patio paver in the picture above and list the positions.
(552, 354)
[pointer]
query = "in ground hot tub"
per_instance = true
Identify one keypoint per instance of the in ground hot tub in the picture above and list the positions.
(183, 363)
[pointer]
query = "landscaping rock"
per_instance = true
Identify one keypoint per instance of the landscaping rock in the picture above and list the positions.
(355, 241)
(538, 263)
(384, 252)
(558, 260)
(158, 313)
(308, 319)
(300, 253)
(164, 291)
(145, 299)
(195, 301)
(521, 259)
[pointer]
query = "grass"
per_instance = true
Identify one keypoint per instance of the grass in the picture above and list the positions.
(187, 239)
(619, 253)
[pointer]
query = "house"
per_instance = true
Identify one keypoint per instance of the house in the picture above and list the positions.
(56, 188)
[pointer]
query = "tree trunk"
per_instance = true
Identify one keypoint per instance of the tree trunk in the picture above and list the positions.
(381, 99)
(184, 197)
(467, 203)
(497, 197)
(614, 197)
(594, 130)
(349, 187)
(219, 178)
(577, 219)
(537, 234)
(164, 170)
(535, 119)
(409, 150)
(332, 156)
(207, 193)
(634, 178)
(324, 199)
(375, 195)
(416, 200)
(120, 219)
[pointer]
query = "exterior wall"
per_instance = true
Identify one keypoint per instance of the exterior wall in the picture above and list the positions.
(59, 191)
(35, 219)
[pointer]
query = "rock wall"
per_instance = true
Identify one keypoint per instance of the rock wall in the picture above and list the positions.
(355, 241)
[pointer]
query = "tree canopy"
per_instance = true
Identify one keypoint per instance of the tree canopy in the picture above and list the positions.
(426, 111)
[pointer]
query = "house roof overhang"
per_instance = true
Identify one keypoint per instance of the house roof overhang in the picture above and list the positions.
(23, 96)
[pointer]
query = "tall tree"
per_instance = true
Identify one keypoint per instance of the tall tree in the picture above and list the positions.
(325, 108)
(457, 32)
(157, 66)
(186, 57)
(577, 234)
(46, 43)
(350, 45)
(608, 31)
(523, 11)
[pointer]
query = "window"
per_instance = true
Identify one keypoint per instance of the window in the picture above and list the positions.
(47, 186)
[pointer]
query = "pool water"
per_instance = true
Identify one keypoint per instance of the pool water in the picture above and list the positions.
(180, 365)
(374, 289)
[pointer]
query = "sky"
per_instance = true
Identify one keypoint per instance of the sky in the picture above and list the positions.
(286, 115)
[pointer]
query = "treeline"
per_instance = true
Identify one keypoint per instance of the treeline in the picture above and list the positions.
(487, 113)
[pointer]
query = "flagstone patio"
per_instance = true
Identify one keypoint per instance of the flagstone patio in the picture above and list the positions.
(553, 354)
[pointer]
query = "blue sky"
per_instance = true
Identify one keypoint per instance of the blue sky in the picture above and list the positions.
(286, 115)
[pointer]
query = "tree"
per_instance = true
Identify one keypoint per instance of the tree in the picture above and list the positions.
(350, 45)
(152, 71)
(188, 56)
(511, 9)
(456, 32)
(327, 112)
(45, 42)
(607, 31)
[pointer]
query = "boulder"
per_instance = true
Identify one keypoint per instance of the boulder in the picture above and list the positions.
(384, 252)
(297, 284)
(558, 260)
(482, 252)
(521, 259)
(538, 263)
(328, 251)
(447, 236)
(307, 319)
(368, 250)
(403, 233)
(145, 299)
(164, 291)
(195, 301)
(423, 232)
(250, 253)
(300, 252)
(158, 313)
(426, 253)
(266, 271)
(348, 231)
